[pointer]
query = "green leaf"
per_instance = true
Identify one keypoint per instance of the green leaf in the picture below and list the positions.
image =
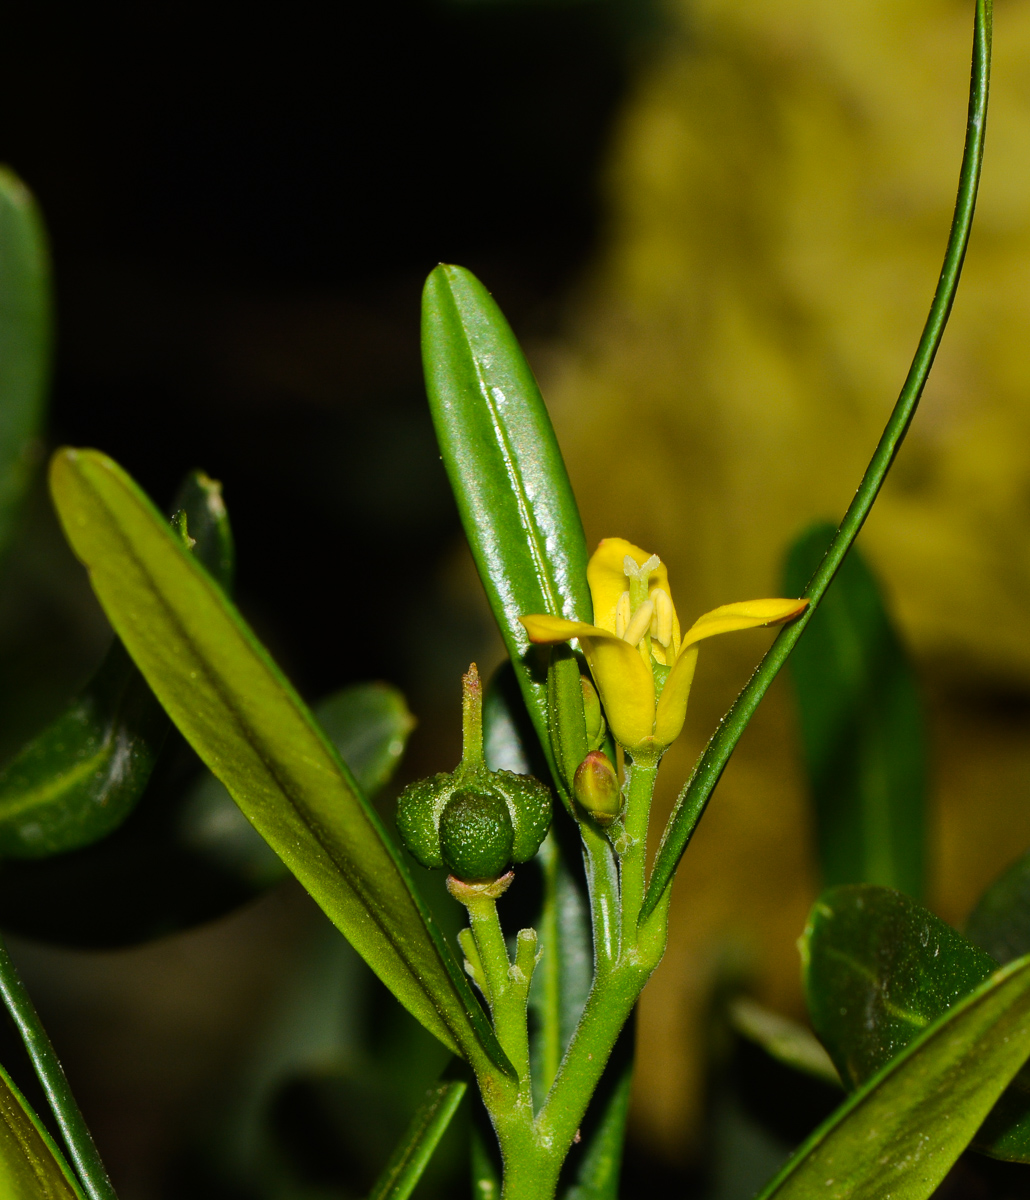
(25, 338)
(77, 781)
(878, 969)
(31, 1165)
(900, 1132)
(506, 471)
(423, 1135)
(200, 501)
(248, 725)
(80, 778)
(862, 727)
(1000, 923)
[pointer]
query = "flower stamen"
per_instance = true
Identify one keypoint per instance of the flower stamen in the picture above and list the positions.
(640, 623)
(661, 622)
(623, 612)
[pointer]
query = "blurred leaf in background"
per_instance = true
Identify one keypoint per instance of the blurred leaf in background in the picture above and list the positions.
(862, 727)
(25, 342)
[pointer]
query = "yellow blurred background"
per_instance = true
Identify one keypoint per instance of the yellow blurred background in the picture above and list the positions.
(779, 196)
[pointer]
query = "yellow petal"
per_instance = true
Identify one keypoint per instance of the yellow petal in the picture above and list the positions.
(544, 629)
(748, 614)
(626, 686)
(607, 577)
(672, 704)
(624, 680)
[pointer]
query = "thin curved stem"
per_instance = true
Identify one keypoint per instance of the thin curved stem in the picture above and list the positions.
(710, 766)
(82, 1152)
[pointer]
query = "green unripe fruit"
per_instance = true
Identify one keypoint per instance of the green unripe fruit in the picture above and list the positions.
(418, 818)
(476, 836)
(475, 822)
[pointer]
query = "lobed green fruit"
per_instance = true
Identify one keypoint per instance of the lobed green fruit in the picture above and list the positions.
(474, 822)
(476, 836)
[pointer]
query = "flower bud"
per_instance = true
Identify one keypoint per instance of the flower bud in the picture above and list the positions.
(596, 788)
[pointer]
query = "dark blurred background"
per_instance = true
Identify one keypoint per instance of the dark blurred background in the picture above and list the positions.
(243, 204)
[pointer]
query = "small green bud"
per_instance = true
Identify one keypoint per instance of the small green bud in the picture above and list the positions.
(475, 822)
(592, 714)
(596, 787)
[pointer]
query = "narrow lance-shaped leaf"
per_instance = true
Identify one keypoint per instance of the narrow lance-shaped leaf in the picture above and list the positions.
(506, 470)
(90, 1173)
(248, 725)
(25, 338)
(900, 1132)
(878, 969)
(421, 1139)
(79, 779)
(709, 768)
(862, 727)
(31, 1165)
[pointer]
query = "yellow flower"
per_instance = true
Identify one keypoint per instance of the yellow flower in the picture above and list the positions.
(642, 665)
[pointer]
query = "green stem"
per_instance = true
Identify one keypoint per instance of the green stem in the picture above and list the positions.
(602, 874)
(640, 783)
(607, 1009)
(77, 1139)
(550, 969)
(710, 766)
(507, 995)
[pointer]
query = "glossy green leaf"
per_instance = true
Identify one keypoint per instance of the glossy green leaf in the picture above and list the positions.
(1000, 923)
(78, 780)
(423, 1135)
(878, 969)
(897, 1136)
(248, 725)
(506, 471)
(31, 1165)
(862, 727)
(25, 338)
